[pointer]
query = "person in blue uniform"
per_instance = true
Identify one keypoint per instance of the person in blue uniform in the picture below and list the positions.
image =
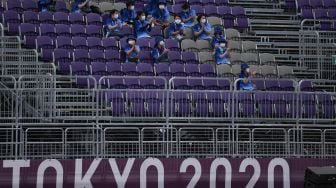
(218, 36)
(128, 14)
(152, 6)
(44, 5)
(159, 52)
(113, 25)
(245, 84)
(80, 6)
(222, 53)
(188, 15)
(161, 15)
(202, 30)
(131, 50)
(142, 26)
(176, 29)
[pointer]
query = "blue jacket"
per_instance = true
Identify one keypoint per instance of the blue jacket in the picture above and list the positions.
(245, 86)
(152, 6)
(215, 40)
(173, 27)
(218, 52)
(156, 53)
(162, 15)
(133, 54)
(203, 35)
(113, 22)
(185, 15)
(142, 27)
(127, 15)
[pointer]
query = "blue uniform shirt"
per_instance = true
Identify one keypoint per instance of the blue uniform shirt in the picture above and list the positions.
(75, 7)
(152, 6)
(215, 40)
(161, 15)
(113, 22)
(127, 15)
(218, 52)
(185, 15)
(245, 86)
(142, 28)
(173, 27)
(133, 54)
(203, 35)
(43, 5)
(156, 53)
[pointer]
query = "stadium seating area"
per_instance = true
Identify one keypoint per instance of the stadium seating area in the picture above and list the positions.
(94, 85)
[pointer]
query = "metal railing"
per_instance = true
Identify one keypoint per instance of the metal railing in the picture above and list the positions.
(18, 69)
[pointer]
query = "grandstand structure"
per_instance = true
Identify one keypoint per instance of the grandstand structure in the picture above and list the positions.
(65, 91)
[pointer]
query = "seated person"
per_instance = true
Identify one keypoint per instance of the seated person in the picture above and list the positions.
(81, 6)
(152, 6)
(44, 5)
(142, 26)
(128, 14)
(113, 24)
(161, 15)
(188, 15)
(218, 36)
(176, 29)
(245, 84)
(202, 30)
(159, 52)
(131, 50)
(222, 53)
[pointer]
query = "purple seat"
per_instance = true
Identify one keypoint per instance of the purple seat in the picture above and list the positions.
(178, 2)
(307, 13)
(286, 85)
(62, 30)
(272, 85)
(114, 69)
(264, 104)
(117, 101)
(212, 84)
(221, 2)
(29, 34)
(95, 43)
(12, 20)
(62, 55)
(181, 104)
(180, 83)
(110, 43)
(145, 69)
(307, 105)
(136, 103)
(79, 68)
(94, 19)
(93, 31)
(224, 10)
(332, 13)
(155, 32)
(306, 85)
(242, 23)
(160, 83)
(61, 18)
(177, 70)
(228, 21)
(46, 17)
(280, 105)
(29, 5)
(64, 68)
(98, 68)
(132, 83)
(48, 30)
(144, 44)
(30, 17)
(175, 56)
(76, 18)
(116, 83)
(196, 2)
(201, 104)
(145, 57)
(223, 84)
(327, 104)
(219, 104)
(81, 55)
(126, 31)
(189, 57)
(207, 70)
(316, 4)
(79, 43)
(60, 6)
(130, 69)
(303, 4)
(147, 83)
(176, 9)
(192, 70)
(199, 9)
(78, 30)
(172, 45)
(238, 11)
(259, 85)
(209, 2)
(211, 10)
(155, 103)
(290, 4)
(64, 42)
(321, 14)
(329, 4)
(113, 56)
(14, 5)
(97, 55)
(195, 84)
(46, 46)
(162, 69)
(244, 105)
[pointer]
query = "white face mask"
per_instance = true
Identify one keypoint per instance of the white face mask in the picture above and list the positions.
(132, 7)
(203, 20)
(161, 7)
(222, 45)
(162, 43)
(186, 10)
(178, 21)
(143, 17)
(248, 70)
(116, 16)
(131, 42)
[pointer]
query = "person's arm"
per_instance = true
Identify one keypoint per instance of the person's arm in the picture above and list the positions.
(111, 27)
(81, 5)
(197, 33)
(131, 49)
(207, 29)
(171, 30)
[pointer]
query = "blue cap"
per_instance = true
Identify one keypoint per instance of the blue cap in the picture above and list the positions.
(244, 66)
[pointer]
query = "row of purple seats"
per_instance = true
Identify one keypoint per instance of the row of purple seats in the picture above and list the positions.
(191, 83)
(212, 10)
(274, 85)
(31, 5)
(203, 2)
(301, 4)
(321, 14)
(140, 69)
(218, 104)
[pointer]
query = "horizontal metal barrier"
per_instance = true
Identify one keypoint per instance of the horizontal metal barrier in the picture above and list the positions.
(18, 69)
(21, 55)
(10, 42)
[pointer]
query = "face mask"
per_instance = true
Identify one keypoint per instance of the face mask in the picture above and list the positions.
(161, 7)
(116, 16)
(203, 20)
(132, 7)
(186, 10)
(143, 17)
(178, 21)
(131, 42)
(222, 45)
(162, 43)
(248, 70)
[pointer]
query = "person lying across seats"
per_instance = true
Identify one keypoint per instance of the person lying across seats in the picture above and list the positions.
(160, 52)
(202, 30)
(245, 84)
(113, 25)
(128, 14)
(176, 29)
(188, 15)
(132, 50)
(161, 15)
